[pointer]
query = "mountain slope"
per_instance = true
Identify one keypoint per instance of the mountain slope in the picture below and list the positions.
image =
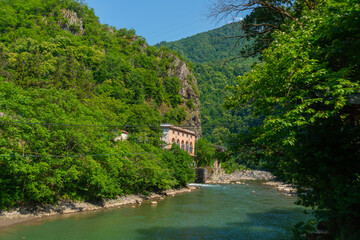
(68, 86)
(209, 52)
(209, 46)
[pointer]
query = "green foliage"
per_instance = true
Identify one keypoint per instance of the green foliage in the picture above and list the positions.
(181, 161)
(176, 115)
(301, 229)
(65, 96)
(209, 52)
(305, 88)
(209, 46)
(232, 166)
(205, 153)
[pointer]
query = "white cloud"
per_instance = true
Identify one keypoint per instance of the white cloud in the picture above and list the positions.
(238, 19)
(235, 19)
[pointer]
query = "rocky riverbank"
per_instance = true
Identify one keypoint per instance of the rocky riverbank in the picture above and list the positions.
(223, 178)
(285, 188)
(241, 177)
(24, 214)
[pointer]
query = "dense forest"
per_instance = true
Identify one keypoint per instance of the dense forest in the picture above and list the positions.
(304, 95)
(68, 86)
(216, 61)
(212, 46)
(307, 89)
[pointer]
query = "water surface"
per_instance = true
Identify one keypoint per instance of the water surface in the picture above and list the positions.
(212, 212)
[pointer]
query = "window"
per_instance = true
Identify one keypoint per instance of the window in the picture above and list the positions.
(187, 146)
(178, 142)
(182, 145)
(191, 148)
(173, 140)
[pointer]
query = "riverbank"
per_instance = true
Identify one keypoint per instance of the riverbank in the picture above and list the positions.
(241, 177)
(245, 212)
(25, 214)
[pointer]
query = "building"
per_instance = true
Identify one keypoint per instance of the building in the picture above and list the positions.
(184, 138)
(121, 135)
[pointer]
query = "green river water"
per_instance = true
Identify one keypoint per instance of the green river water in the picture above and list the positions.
(212, 212)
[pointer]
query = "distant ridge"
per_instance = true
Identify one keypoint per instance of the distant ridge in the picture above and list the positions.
(209, 52)
(209, 46)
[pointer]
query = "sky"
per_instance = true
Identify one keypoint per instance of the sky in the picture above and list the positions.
(156, 20)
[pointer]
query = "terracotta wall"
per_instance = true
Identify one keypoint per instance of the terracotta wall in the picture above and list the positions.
(184, 138)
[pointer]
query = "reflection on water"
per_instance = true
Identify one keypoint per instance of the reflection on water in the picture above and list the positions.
(213, 212)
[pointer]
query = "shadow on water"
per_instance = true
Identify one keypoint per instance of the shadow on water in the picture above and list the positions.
(263, 226)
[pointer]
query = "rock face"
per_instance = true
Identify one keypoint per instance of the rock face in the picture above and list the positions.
(190, 93)
(72, 22)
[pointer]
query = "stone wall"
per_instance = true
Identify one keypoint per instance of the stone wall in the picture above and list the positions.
(219, 176)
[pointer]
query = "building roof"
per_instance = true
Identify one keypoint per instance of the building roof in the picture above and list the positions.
(122, 131)
(180, 129)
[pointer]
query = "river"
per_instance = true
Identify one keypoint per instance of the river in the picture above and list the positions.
(212, 212)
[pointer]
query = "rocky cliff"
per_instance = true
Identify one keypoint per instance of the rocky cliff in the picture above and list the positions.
(190, 94)
(71, 22)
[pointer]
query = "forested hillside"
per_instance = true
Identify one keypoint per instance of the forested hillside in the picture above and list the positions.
(307, 89)
(211, 52)
(209, 46)
(68, 86)
(305, 94)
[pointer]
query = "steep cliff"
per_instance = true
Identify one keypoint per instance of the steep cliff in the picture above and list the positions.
(190, 93)
(208, 52)
(71, 22)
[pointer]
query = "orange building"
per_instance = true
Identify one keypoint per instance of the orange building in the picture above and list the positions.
(184, 138)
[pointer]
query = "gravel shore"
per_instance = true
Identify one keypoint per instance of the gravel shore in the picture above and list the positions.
(25, 214)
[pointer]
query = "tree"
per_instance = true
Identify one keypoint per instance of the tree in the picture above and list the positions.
(265, 17)
(181, 161)
(306, 89)
(205, 153)
(65, 96)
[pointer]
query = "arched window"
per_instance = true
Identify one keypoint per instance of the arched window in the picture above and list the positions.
(173, 140)
(182, 145)
(178, 142)
(191, 147)
(187, 146)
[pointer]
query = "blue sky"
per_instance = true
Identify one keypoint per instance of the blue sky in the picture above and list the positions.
(156, 20)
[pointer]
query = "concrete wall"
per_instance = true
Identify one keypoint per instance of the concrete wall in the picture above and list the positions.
(201, 175)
